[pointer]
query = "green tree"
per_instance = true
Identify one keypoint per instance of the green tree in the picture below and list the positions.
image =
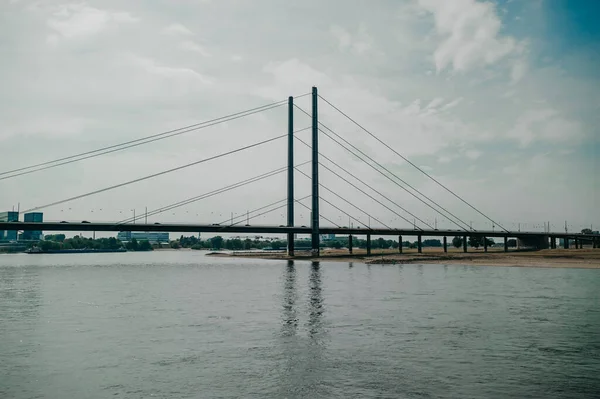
(475, 241)
(217, 242)
(457, 241)
(586, 231)
(132, 245)
(432, 243)
(512, 243)
(145, 246)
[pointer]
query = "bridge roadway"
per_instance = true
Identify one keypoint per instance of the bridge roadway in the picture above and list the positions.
(241, 229)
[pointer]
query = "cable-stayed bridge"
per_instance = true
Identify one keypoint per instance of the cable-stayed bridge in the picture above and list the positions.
(418, 226)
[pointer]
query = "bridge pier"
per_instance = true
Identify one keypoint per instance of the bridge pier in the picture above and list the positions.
(577, 243)
(419, 244)
(566, 243)
(553, 243)
(484, 244)
(350, 243)
(505, 244)
(464, 243)
(368, 244)
(595, 243)
(399, 244)
(445, 244)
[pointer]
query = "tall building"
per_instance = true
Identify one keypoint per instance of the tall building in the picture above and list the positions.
(157, 237)
(10, 235)
(33, 217)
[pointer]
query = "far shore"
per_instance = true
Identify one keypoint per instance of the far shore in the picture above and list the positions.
(586, 258)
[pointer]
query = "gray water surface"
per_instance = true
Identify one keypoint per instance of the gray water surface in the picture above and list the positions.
(181, 325)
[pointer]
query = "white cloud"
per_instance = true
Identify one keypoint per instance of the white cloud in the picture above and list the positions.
(181, 75)
(470, 32)
(359, 43)
(80, 20)
(473, 154)
(189, 45)
(177, 29)
(452, 104)
(518, 71)
(546, 126)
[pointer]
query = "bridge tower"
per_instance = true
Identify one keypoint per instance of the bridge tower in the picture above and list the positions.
(315, 239)
(290, 199)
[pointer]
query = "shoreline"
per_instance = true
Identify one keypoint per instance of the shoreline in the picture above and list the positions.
(551, 258)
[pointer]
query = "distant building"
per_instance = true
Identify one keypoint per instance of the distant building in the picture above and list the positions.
(153, 238)
(33, 217)
(10, 235)
(327, 237)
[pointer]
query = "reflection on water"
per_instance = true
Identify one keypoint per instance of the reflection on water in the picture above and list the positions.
(303, 350)
(290, 296)
(315, 327)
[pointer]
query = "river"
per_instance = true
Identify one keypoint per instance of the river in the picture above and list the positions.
(182, 325)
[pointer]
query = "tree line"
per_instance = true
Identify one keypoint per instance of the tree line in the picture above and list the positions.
(239, 244)
(58, 242)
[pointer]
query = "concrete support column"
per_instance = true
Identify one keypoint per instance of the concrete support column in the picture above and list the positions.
(484, 244)
(576, 243)
(553, 243)
(445, 244)
(566, 243)
(368, 244)
(350, 243)
(419, 244)
(505, 244)
(465, 244)
(595, 243)
(399, 244)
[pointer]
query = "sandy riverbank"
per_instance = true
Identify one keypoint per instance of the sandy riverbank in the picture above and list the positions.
(556, 258)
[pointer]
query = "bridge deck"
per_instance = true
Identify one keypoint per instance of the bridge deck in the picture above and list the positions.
(224, 229)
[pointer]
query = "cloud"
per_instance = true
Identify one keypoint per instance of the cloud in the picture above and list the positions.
(544, 126)
(470, 34)
(518, 71)
(80, 20)
(181, 75)
(189, 45)
(358, 44)
(178, 30)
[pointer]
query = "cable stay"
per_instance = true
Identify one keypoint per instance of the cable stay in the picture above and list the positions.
(209, 194)
(137, 142)
(365, 193)
(158, 174)
(269, 211)
(348, 202)
(386, 176)
(412, 164)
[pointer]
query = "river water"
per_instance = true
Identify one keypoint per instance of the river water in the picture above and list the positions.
(182, 325)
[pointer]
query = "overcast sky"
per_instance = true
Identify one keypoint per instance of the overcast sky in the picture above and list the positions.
(498, 100)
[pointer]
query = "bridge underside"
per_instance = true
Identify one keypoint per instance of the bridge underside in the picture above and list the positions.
(537, 242)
